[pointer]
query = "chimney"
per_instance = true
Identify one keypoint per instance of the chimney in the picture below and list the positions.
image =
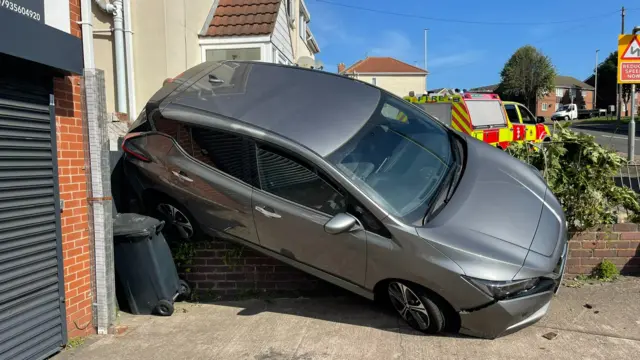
(341, 68)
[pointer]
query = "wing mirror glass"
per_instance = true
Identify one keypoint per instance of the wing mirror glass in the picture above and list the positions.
(341, 223)
(540, 119)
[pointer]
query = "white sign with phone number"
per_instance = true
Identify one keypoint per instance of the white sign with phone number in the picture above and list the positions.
(22, 10)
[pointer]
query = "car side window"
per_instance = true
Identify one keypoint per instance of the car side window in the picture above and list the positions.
(527, 117)
(180, 132)
(296, 181)
(232, 154)
(512, 113)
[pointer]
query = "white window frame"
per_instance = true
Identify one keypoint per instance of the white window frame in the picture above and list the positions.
(545, 106)
(374, 81)
(266, 54)
(560, 92)
(302, 28)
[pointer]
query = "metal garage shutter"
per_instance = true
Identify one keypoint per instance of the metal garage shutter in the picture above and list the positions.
(32, 314)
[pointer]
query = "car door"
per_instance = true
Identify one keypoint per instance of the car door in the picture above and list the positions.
(529, 121)
(294, 202)
(211, 173)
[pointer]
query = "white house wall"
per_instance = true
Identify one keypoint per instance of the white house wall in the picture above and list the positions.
(281, 37)
(399, 85)
(163, 46)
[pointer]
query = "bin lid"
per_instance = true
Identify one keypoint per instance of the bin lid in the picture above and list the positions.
(131, 224)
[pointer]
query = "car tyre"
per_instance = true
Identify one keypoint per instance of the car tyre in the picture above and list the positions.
(180, 225)
(566, 118)
(415, 306)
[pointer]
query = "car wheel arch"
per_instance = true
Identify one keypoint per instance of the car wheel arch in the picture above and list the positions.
(452, 317)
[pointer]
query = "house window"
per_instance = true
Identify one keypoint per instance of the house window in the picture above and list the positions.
(559, 92)
(545, 106)
(233, 54)
(303, 27)
(290, 8)
(374, 81)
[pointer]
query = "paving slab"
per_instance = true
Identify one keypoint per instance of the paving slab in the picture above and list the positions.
(353, 328)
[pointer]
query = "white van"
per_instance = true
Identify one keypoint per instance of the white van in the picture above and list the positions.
(566, 112)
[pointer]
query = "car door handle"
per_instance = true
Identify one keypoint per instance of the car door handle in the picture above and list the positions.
(182, 175)
(268, 212)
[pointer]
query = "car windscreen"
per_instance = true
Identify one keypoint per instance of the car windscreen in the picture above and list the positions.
(399, 158)
(486, 113)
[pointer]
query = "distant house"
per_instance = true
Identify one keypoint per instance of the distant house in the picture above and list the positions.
(388, 73)
(567, 90)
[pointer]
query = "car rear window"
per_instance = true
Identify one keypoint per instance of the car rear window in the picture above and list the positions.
(486, 113)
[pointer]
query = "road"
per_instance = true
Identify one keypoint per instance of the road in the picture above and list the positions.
(610, 135)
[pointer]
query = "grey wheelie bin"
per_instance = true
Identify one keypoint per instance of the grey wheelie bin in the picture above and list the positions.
(146, 276)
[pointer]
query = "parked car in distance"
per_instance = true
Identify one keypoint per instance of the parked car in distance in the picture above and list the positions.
(316, 170)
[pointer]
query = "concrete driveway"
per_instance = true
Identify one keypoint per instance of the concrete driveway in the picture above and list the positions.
(352, 328)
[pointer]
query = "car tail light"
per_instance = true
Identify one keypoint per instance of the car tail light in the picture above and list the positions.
(129, 147)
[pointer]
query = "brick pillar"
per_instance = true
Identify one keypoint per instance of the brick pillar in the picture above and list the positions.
(73, 191)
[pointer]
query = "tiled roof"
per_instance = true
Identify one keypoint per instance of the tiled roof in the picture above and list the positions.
(382, 65)
(568, 81)
(244, 18)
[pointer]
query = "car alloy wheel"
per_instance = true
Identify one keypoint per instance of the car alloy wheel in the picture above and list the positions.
(176, 220)
(409, 306)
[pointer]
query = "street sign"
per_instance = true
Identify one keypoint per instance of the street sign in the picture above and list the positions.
(628, 59)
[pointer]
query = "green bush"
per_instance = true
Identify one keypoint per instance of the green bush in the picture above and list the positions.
(605, 271)
(580, 173)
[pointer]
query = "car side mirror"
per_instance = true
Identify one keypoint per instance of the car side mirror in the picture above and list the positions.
(340, 223)
(540, 119)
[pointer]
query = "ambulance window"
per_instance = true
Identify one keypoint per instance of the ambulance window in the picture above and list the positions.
(512, 113)
(486, 113)
(527, 117)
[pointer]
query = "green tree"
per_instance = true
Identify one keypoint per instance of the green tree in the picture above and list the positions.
(566, 98)
(580, 173)
(528, 73)
(608, 82)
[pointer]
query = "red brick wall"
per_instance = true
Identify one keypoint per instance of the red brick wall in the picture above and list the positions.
(73, 191)
(619, 244)
(550, 100)
(220, 269)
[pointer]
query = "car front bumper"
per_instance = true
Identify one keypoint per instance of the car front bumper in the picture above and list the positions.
(505, 316)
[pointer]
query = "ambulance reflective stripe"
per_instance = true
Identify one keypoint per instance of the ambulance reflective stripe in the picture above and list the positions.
(541, 131)
(460, 117)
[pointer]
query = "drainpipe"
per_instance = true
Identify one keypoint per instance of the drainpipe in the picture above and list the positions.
(115, 8)
(128, 45)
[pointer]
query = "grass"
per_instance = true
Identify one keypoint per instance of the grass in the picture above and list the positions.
(75, 342)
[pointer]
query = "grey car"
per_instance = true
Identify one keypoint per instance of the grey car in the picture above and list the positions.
(350, 183)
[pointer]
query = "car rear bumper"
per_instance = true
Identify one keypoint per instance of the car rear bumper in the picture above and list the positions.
(506, 316)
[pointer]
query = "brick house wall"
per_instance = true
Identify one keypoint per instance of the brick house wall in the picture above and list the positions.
(73, 191)
(619, 243)
(552, 99)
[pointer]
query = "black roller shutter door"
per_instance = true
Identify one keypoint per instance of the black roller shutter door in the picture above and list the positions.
(32, 313)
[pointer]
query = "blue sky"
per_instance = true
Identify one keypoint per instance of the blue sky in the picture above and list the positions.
(468, 55)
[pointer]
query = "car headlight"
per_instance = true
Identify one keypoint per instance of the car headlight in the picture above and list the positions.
(503, 289)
